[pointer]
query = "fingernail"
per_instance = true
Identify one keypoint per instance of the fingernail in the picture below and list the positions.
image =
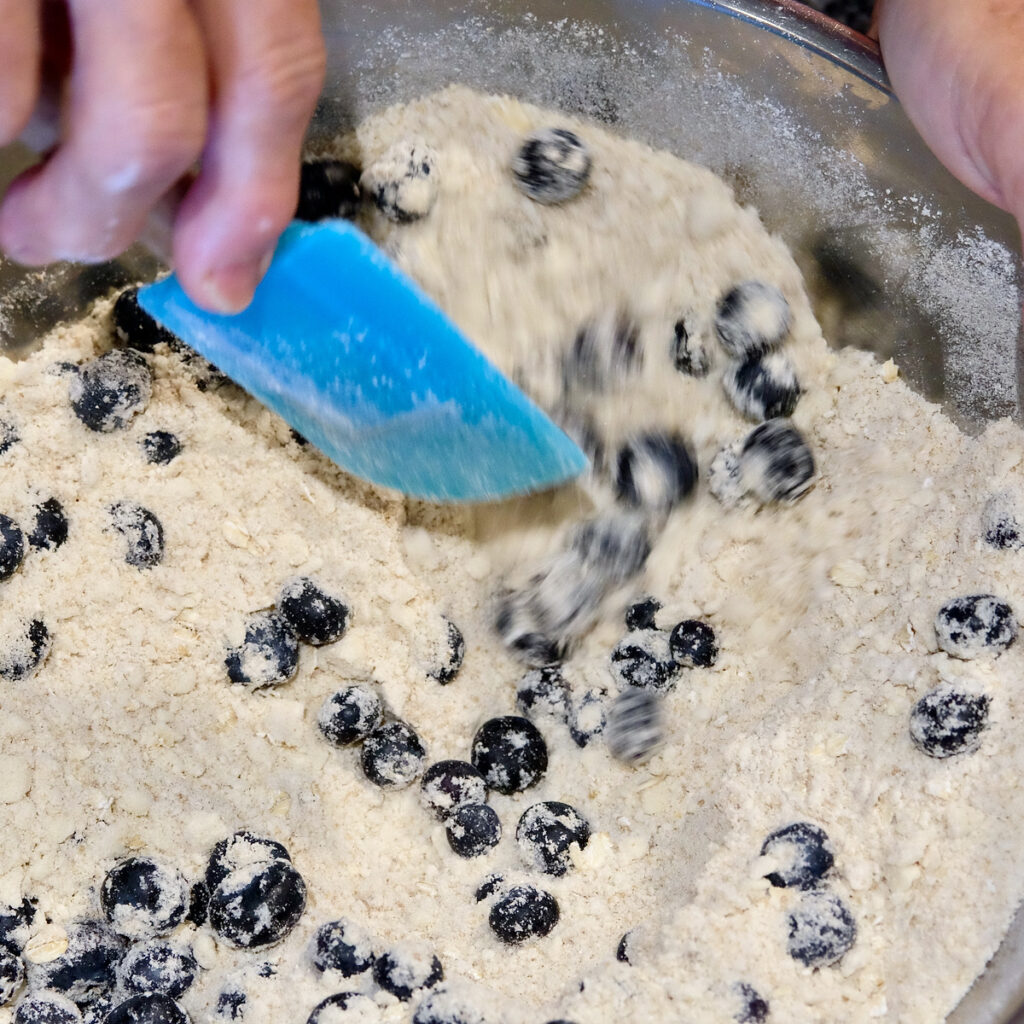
(230, 289)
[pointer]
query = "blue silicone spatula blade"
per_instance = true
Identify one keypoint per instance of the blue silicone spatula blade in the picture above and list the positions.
(354, 356)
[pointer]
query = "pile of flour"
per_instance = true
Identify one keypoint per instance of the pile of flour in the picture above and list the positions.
(130, 739)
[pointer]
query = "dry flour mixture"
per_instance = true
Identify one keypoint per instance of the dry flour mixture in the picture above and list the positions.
(727, 731)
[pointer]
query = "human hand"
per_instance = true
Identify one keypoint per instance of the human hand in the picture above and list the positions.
(153, 87)
(958, 69)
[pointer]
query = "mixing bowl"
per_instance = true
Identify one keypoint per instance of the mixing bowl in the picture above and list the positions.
(791, 108)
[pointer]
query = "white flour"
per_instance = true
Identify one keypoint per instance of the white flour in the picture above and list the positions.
(129, 739)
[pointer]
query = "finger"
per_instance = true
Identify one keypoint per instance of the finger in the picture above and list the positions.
(267, 60)
(19, 59)
(135, 122)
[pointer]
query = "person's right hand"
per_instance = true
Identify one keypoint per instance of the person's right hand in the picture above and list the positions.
(152, 87)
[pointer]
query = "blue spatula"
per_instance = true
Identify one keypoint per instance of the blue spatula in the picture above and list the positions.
(357, 359)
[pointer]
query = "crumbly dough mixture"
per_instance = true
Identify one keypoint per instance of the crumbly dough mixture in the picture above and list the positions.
(130, 738)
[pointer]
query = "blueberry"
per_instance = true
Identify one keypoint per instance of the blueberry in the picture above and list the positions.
(603, 354)
(151, 1008)
(50, 527)
(157, 966)
(753, 1008)
(523, 912)
(15, 923)
(543, 691)
(473, 830)
(448, 785)
(343, 947)
(350, 715)
(552, 165)
(725, 475)
(403, 182)
(12, 974)
(946, 721)
(622, 950)
(451, 656)
(641, 614)
(546, 834)
(142, 897)
(198, 904)
(968, 627)
(23, 650)
(393, 755)
(108, 391)
(527, 636)
(444, 1007)
(96, 1011)
(9, 436)
(635, 726)
(688, 353)
(136, 328)
(614, 547)
(510, 753)
(775, 462)
(268, 655)
(493, 884)
(231, 1004)
(762, 387)
(803, 853)
(821, 929)
(354, 1006)
(587, 717)
(258, 905)
(12, 547)
(142, 532)
(315, 616)
(1000, 522)
(644, 659)
(655, 472)
(160, 447)
(87, 969)
(328, 189)
(46, 1008)
(693, 644)
(405, 970)
(238, 851)
(752, 318)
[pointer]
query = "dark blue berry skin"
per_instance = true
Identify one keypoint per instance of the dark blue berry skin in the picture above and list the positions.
(21, 661)
(14, 922)
(777, 462)
(87, 969)
(315, 616)
(158, 967)
(510, 753)
(602, 355)
(447, 785)
(392, 183)
(490, 886)
(452, 657)
(396, 973)
(198, 904)
(334, 1007)
(546, 834)
(135, 328)
(821, 930)
(1004, 535)
(152, 1008)
(50, 527)
(622, 950)
(762, 388)
(807, 853)
(9, 436)
(142, 532)
(634, 729)
(473, 830)
(688, 357)
(655, 472)
(693, 644)
(46, 1008)
(338, 946)
(587, 718)
(641, 614)
(238, 850)
(613, 547)
(142, 898)
(349, 715)
(635, 662)
(979, 623)
(946, 722)
(231, 1004)
(393, 756)
(12, 547)
(160, 447)
(258, 905)
(328, 189)
(12, 974)
(552, 166)
(543, 691)
(439, 1007)
(268, 655)
(523, 912)
(753, 1008)
(108, 391)
(741, 331)
(1000, 522)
